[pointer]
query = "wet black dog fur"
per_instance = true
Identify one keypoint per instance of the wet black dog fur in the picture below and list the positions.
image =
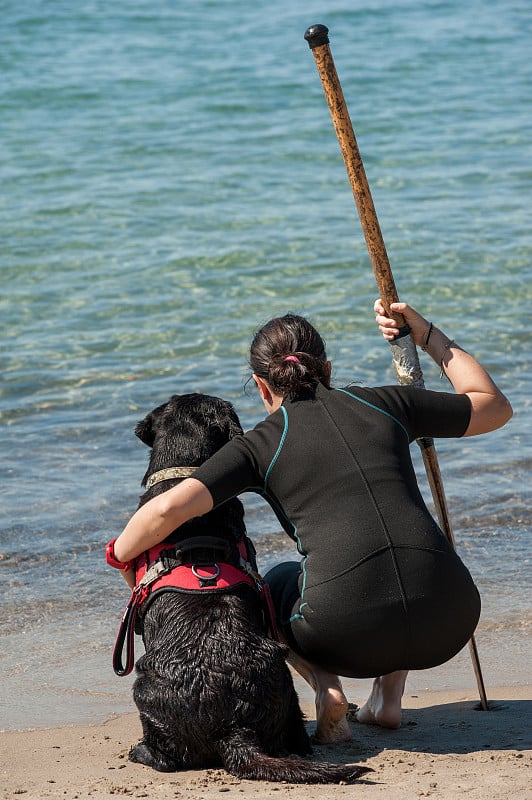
(212, 689)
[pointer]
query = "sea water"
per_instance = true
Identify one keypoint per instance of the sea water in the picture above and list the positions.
(170, 180)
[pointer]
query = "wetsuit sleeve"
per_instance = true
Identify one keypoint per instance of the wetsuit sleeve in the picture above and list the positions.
(230, 471)
(427, 413)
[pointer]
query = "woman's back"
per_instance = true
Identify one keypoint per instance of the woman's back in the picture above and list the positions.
(335, 466)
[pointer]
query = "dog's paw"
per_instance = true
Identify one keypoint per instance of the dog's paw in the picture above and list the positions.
(141, 754)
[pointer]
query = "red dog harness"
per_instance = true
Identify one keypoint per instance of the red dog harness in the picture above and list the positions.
(189, 567)
(155, 572)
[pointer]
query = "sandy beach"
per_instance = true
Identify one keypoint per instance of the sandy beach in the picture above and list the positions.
(445, 748)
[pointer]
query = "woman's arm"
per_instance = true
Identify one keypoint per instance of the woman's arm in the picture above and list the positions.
(156, 520)
(490, 409)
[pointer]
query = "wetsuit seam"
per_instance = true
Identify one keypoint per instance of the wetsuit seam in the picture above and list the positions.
(379, 516)
(377, 552)
(376, 408)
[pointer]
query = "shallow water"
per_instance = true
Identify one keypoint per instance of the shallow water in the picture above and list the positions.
(172, 179)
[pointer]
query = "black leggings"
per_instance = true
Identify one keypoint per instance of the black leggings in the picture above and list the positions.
(350, 631)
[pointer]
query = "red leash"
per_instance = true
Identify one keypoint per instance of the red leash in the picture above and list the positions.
(126, 635)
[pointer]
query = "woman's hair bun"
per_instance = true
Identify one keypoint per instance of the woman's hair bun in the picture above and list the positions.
(289, 353)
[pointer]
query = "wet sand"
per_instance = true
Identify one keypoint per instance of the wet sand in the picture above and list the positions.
(444, 749)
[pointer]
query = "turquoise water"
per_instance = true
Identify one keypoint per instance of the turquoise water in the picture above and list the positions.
(170, 180)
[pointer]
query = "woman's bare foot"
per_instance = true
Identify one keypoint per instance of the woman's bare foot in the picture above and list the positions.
(331, 710)
(383, 706)
(331, 702)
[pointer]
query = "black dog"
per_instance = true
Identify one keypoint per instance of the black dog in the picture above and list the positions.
(212, 689)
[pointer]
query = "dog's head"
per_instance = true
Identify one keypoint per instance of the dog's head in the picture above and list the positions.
(188, 429)
(185, 432)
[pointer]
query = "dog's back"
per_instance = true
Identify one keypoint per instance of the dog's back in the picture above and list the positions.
(216, 677)
(212, 689)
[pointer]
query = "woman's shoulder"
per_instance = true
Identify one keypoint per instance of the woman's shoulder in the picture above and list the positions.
(423, 411)
(266, 431)
(390, 392)
(400, 400)
(377, 394)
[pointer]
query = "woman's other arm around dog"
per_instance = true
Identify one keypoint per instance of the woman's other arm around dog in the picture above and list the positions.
(156, 520)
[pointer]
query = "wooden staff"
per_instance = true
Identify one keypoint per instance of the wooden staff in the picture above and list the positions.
(404, 353)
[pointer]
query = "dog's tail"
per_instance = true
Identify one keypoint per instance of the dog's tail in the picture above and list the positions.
(243, 757)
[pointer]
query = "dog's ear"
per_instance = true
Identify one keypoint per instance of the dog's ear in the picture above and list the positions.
(219, 417)
(144, 431)
(229, 423)
(146, 428)
(235, 428)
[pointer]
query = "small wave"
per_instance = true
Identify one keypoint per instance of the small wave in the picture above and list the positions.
(507, 622)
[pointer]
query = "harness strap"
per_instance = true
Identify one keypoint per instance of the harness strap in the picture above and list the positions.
(270, 609)
(198, 550)
(202, 550)
(267, 601)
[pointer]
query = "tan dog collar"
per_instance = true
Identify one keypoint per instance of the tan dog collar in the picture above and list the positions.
(167, 474)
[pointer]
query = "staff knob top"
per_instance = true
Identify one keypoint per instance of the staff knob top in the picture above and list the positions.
(317, 35)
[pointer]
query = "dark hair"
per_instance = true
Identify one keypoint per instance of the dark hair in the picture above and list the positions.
(295, 337)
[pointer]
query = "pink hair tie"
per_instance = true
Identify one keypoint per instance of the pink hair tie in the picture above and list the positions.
(295, 359)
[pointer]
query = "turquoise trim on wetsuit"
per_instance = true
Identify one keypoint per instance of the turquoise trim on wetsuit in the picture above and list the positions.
(302, 605)
(299, 615)
(279, 448)
(296, 537)
(376, 408)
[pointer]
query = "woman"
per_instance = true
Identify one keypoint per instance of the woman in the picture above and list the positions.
(379, 589)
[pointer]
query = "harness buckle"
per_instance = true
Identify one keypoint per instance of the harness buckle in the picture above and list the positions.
(157, 568)
(246, 567)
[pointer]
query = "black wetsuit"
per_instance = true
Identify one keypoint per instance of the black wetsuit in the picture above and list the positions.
(379, 587)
